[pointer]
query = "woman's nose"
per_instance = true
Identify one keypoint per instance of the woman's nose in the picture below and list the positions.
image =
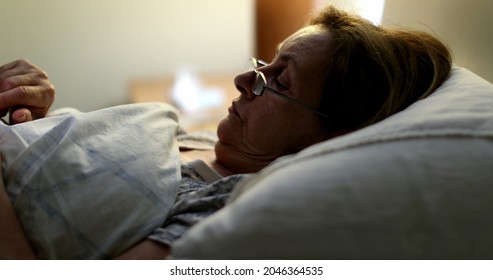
(244, 84)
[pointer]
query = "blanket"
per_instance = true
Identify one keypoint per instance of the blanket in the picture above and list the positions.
(91, 185)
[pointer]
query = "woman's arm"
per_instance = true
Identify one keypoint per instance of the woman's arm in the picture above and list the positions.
(13, 241)
(14, 244)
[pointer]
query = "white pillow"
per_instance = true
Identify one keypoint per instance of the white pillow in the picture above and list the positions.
(417, 185)
(91, 185)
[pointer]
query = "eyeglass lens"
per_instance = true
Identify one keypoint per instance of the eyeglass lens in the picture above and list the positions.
(258, 86)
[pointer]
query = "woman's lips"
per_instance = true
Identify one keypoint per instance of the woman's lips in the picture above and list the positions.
(232, 110)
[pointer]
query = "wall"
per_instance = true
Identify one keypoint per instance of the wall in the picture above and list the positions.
(369, 9)
(465, 25)
(276, 20)
(92, 48)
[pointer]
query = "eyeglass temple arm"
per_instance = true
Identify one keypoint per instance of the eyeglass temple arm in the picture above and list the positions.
(297, 102)
(259, 62)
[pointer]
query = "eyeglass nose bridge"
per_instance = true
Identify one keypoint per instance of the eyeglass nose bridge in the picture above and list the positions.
(258, 62)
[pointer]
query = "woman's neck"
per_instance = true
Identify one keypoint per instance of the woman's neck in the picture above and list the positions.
(207, 156)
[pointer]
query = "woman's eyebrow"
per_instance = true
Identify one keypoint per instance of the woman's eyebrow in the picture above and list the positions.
(289, 58)
(284, 56)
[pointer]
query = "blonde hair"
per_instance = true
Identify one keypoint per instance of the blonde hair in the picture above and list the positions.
(374, 72)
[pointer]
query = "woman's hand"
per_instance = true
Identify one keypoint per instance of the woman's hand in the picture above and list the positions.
(25, 91)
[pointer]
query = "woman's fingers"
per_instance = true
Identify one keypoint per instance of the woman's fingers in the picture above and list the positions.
(25, 90)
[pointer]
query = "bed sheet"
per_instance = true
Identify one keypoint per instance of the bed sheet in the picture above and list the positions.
(90, 185)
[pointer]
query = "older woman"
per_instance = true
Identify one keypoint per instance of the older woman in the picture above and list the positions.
(336, 75)
(345, 71)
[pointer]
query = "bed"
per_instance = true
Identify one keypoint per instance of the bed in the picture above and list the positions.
(418, 185)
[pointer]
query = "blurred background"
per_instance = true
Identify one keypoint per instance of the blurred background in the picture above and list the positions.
(101, 53)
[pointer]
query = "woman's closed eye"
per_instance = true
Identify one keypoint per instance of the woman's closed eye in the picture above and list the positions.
(280, 85)
(282, 81)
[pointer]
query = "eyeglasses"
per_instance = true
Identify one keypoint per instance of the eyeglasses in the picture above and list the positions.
(260, 85)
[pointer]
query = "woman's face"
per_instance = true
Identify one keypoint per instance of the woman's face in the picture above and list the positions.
(260, 129)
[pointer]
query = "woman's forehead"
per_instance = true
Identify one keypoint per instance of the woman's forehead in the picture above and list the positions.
(312, 36)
